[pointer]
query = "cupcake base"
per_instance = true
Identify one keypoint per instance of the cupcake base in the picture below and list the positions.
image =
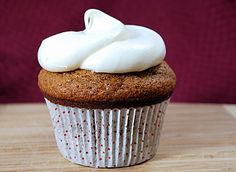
(107, 138)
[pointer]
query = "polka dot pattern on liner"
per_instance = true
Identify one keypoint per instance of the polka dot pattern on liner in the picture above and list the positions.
(107, 137)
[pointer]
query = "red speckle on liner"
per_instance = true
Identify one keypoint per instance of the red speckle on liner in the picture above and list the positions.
(65, 134)
(100, 158)
(68, 111)
(108, 148)
(82, 158)
(63, 112)
(109, 157)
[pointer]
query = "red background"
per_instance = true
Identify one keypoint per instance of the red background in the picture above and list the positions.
(200, 37)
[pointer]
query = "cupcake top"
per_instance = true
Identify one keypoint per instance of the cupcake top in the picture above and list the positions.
(84, 88)
(105, 46)
(108, 65)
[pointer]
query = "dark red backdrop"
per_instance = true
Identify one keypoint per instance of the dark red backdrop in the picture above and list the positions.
(200, 37)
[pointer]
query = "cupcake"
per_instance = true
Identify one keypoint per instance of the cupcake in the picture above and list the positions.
(107, 88)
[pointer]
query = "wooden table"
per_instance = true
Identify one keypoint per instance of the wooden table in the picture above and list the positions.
(196, 137)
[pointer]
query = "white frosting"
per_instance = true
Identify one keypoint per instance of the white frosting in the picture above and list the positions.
(106, 45)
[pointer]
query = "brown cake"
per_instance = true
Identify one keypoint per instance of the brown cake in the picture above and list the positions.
(107, 89)
(87, 89)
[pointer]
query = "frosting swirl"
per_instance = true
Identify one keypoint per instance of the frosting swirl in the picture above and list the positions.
(106, 45)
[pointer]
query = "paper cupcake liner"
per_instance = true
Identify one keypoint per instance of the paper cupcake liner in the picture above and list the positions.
(107, 137)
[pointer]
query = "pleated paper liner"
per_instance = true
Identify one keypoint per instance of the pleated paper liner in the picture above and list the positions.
(107, 137)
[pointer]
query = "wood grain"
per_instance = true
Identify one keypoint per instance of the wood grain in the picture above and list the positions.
(196, 137)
